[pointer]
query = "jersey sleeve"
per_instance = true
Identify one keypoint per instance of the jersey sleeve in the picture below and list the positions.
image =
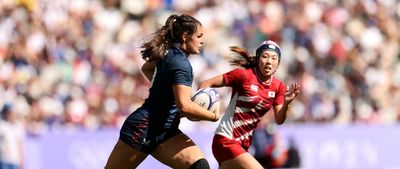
(181, 72)
(235, 77)
(280, 98)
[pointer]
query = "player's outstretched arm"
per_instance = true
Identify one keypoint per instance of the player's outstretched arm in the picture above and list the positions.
(217, 81)
(281, 110)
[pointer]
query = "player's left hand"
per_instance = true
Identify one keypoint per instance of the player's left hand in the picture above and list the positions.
(292, 92)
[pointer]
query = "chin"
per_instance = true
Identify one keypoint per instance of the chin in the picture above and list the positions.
(268, 73)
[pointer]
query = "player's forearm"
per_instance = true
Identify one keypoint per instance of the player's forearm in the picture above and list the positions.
(194, 111)
(217, 81)
(281, 115)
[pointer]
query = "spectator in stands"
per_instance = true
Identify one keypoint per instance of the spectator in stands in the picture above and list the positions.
(11, 140)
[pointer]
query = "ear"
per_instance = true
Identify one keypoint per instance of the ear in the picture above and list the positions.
(185, 37)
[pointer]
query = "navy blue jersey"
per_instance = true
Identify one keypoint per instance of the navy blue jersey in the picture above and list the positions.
(174, 69)
(158, 118)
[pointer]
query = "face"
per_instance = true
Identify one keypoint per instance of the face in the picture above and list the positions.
(268, 63)
(194, 42)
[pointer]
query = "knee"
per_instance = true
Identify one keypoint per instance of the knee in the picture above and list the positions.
(200, 164)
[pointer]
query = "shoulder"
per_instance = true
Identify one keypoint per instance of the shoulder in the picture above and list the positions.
(237, 76)
(276, 80)
(176, 58)
(247, 73)
(240, 71)
(278, 84)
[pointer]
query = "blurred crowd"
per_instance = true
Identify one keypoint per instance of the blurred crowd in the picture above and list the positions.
(77, 62)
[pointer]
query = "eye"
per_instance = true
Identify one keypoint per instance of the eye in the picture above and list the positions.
(265, 56)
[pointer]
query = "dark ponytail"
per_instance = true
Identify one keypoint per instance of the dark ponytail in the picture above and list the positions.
(242, 58)
(170, 34)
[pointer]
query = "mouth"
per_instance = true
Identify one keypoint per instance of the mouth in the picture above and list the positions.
(268, 68)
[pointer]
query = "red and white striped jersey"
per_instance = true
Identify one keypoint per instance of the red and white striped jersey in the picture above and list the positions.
(250, 100)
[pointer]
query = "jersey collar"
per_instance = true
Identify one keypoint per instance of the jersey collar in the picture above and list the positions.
(261, 81)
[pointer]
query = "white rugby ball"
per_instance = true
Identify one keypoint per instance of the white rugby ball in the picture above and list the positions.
(207, 98)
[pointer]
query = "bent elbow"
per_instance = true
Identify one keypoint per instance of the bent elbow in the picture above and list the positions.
(279, 122)
(183, 108)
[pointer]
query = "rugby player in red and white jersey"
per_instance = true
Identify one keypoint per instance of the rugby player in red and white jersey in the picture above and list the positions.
(254, 92)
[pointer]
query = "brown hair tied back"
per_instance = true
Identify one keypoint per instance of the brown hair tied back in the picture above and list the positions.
(169, 34)
(242, 58)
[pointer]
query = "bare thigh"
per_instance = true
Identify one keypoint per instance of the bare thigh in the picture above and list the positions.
(124, 157)
(243, 161)
(178, 152)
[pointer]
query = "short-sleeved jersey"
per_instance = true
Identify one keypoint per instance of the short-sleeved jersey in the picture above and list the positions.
(174, 69)
(158, 118)
(251, 99)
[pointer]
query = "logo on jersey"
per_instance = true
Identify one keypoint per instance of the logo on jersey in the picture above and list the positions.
(146, 142)
(271, 94)
(254, 87)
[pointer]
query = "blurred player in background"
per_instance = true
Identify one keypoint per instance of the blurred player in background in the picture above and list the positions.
(11, 137)
(254, 92)
(269, 149)
(153, 128)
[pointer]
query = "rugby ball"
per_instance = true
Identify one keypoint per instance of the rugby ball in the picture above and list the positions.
(207, 98)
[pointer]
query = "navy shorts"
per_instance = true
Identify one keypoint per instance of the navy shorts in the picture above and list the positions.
(145, 130)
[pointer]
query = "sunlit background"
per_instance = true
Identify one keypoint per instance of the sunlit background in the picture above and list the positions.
(70, 75)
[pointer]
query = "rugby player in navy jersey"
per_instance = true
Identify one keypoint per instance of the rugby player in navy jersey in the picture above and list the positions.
(153, 128)
(254, 92)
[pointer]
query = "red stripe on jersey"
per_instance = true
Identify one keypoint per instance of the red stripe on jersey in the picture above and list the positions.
(243, 129)
(245, 104)
(246, 116)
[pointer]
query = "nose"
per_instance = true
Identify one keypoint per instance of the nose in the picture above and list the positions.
(268, 60)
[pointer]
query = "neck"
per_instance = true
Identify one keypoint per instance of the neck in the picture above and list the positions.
(182, 47)
(262, 78)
